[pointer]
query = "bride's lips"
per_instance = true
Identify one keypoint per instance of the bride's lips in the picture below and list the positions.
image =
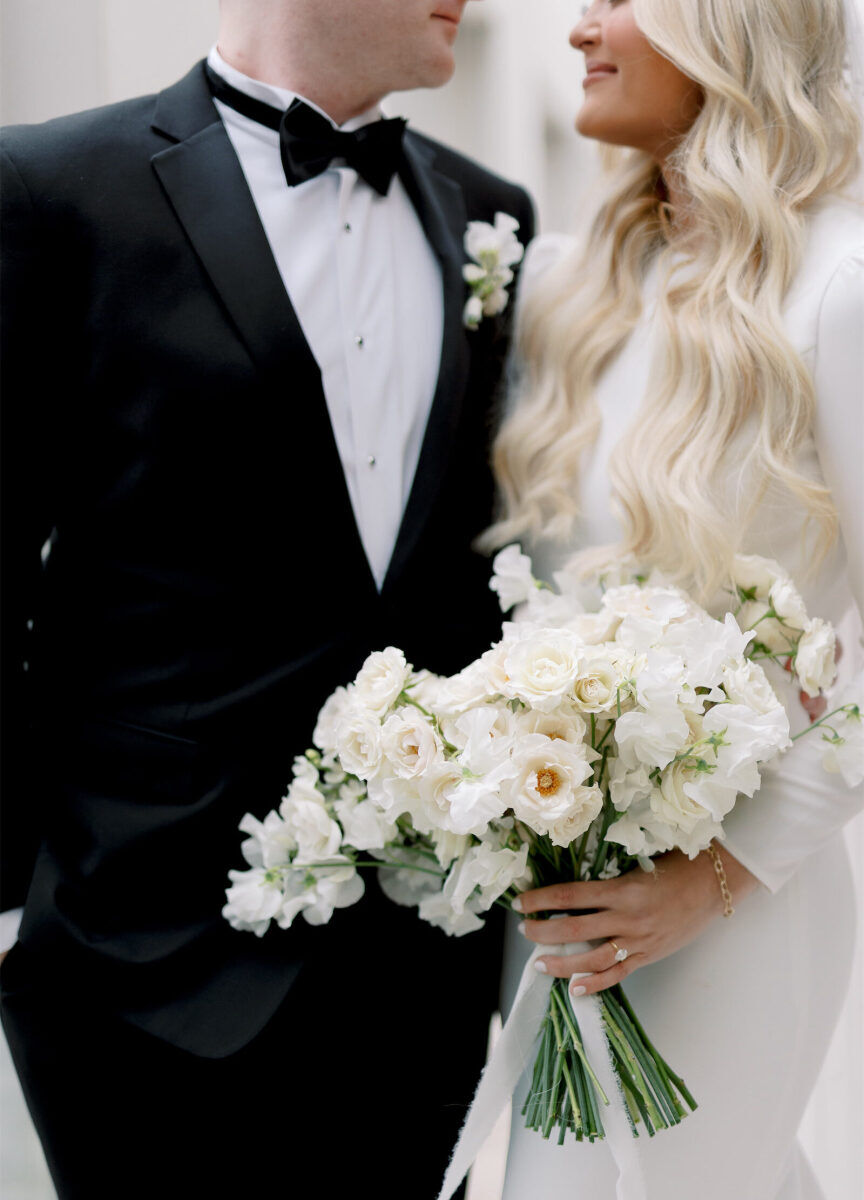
(595, 71)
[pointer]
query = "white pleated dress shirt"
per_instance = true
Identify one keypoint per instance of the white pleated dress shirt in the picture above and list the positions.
(366, 287)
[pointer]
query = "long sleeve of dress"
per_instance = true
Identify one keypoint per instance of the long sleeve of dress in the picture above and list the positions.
(799, 806)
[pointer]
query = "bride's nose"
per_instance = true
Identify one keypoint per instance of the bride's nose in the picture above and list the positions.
(586, 32)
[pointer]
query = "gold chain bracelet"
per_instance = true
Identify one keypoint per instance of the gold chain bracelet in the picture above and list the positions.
(720, 872)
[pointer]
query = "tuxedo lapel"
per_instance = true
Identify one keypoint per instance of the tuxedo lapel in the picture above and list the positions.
(205, 184)
(440, 206)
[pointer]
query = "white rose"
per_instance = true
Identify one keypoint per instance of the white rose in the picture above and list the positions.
(512, 578)
(595, 688)
(332, 712)
(548, 785)
(485, 735)
(253, 900)
(562, 723)
(409, 743)
(541, 667)
(382, 678)
(358, 743)
(815, 660)
(586, 805)
(486, 676)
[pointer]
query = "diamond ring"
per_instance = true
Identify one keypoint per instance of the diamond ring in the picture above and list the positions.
(620, 953)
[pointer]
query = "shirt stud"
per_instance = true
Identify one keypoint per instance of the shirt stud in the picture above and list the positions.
(371, 460)
(359, 341)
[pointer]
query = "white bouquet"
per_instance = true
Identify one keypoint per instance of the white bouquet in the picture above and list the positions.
(578, 747)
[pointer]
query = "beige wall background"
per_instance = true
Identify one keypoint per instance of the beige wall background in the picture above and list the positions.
(511, 105)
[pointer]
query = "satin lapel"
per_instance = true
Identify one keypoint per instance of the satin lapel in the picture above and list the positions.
(204, 181)
(440, 205)
(205, 184)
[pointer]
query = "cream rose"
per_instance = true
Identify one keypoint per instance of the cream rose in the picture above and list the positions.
(382, 677)
(541, 667)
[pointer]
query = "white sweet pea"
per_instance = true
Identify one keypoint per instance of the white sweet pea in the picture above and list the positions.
(746, 683)
(815, 660)
(788, 603)
(651, 739)
(253, 900)
(494, 249)
(364, 826)
(512, 578)
(271, 842)
(437, 910)
(381, 679)
(318, 836)
(843, 735)
(753, 573)
(485, 873)
(335, 887)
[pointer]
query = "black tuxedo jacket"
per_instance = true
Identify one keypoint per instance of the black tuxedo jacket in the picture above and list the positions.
(206, 587)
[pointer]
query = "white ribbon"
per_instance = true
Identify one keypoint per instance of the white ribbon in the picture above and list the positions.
(514, 1053)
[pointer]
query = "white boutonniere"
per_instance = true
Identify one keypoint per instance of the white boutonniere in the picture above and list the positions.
(494, 249)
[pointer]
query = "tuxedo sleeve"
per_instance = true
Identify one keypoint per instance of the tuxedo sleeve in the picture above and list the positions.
(30, 351)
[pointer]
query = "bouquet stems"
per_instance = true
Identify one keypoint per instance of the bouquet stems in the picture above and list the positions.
(565, 1093)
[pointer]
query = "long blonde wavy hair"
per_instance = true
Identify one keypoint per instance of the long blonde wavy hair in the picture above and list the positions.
(777, 130)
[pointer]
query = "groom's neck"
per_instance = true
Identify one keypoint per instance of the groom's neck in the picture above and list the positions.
(277, 49)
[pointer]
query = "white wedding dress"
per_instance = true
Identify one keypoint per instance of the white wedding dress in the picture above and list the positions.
(745, 1012)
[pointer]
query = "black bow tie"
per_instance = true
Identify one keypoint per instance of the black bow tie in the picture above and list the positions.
(309, 143)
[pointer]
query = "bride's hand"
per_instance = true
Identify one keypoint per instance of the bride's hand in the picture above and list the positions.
(648, 914)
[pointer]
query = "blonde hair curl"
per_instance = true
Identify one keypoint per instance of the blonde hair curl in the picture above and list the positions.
(777, 130)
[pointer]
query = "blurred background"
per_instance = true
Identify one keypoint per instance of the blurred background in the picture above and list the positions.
(511, 105)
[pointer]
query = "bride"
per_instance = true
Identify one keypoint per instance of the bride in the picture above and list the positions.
(692, 386)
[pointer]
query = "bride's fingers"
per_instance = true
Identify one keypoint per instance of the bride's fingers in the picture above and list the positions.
(588, 985)
(588, 927)
(597, 963)
(593, 894)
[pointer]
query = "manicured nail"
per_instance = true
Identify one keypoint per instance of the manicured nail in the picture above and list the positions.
(577, 990)
(523, 928)
(541, 967)
(517, 904)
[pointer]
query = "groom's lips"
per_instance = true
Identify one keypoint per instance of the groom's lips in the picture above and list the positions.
(453, 16)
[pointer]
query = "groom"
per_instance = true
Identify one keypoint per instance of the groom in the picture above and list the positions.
(246, 435)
